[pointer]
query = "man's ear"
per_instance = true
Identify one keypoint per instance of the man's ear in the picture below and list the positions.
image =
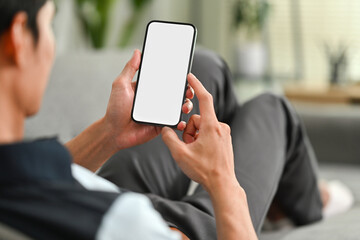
(16, 40)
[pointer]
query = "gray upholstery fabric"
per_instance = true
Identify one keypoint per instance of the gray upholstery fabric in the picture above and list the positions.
(77, 93)
(344, 226)
(334, 131)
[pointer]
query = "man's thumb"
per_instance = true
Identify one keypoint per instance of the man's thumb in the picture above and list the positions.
(131, 67)
(171, 139)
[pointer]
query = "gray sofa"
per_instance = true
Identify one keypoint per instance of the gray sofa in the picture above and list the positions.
(334, 131)
(78, 93)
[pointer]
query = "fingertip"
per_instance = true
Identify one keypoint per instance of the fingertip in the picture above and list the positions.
(137, 52)
(190, 93)
(194, 83)
(169, 137)
(165, 130)
(181, 126)
(190, 79)
(191, 75)
(136, 57)
(188, 106)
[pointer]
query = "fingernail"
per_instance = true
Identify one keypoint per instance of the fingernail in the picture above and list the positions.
(189, 110)
(189, 104)
(192, 90)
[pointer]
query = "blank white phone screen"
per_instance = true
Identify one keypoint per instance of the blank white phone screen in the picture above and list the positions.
(162, 78)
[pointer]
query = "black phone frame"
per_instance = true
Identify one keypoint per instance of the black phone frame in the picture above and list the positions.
(186, 82)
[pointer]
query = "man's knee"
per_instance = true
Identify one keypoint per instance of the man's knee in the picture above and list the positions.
(283, 104)
(278, 109)
(275, 101)
(271, 98)
(269, 101)
(268, 108)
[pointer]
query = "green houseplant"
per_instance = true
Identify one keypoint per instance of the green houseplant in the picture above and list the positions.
(94, 15)
(250, 16)
(337, 58)
(138, 7)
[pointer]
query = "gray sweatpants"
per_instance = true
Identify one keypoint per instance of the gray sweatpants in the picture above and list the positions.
(272, 154)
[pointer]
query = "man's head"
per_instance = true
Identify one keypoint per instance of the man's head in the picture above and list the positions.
(26, 51)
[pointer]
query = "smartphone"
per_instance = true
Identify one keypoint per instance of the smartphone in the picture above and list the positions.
(162, 79)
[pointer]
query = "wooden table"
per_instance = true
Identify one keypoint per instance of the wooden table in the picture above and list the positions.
(333, 94)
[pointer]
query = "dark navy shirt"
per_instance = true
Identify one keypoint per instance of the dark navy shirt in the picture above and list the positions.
(40, 197)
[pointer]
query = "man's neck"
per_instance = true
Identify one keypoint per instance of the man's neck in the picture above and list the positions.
(12, 118)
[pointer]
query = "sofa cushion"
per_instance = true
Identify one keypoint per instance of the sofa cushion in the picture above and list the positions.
(334, 131)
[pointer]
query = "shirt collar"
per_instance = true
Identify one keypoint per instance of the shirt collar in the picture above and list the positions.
(42, 161)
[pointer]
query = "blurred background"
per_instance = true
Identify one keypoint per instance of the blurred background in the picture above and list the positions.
(309, 42)
(307, 50)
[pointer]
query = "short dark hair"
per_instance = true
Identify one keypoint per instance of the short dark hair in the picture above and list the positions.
(9, 8)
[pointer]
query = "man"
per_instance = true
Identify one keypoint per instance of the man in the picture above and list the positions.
(41, 198)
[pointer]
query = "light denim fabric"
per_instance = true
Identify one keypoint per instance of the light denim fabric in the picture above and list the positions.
(132, 217)
(91, 181)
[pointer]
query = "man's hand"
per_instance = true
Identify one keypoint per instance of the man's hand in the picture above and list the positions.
(116, 130)
(206, 153)
(126, 133)
(206, 156)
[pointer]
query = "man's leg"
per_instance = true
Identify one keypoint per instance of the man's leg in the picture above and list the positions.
(272, 158)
